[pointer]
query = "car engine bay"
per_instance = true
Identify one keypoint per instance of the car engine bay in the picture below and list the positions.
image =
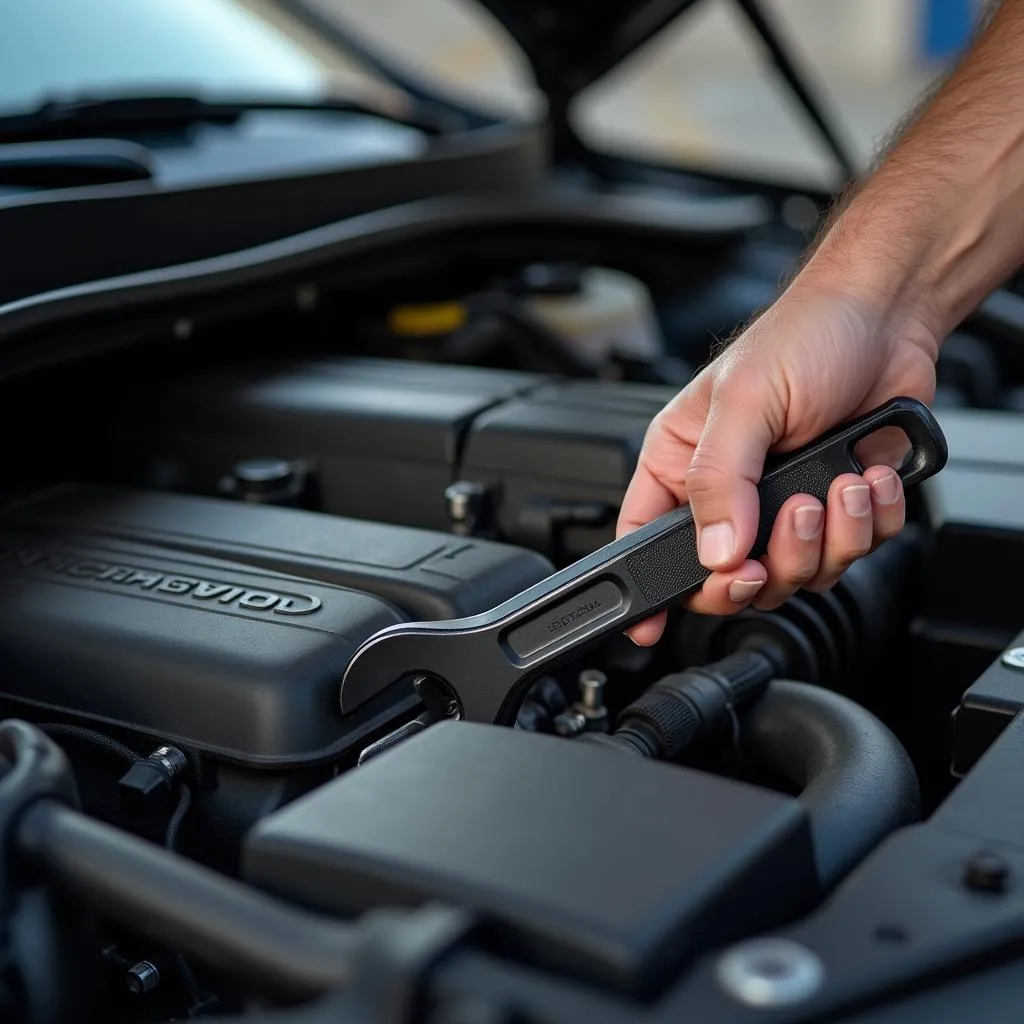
(802, 814)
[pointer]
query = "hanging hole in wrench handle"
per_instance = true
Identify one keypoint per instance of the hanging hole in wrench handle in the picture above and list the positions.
(808, 470)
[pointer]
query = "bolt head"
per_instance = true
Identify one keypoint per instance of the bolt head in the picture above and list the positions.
(1014, 658)
(570, 723)
(987, 872)
(770, 972)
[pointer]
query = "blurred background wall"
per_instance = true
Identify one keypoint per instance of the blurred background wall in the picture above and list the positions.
(704, 90)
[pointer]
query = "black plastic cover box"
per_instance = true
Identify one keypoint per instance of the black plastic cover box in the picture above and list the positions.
(426, 574)
(383, 436)
(969, 612)
(988, 707)
(969, 609)
(239, 663)
(571, 441)
(583, 860)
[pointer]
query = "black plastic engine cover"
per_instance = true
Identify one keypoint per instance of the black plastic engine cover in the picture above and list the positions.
(573, 441)
(214, 656)
(426, 574)
(382, 436)
(610, 867)
(384, 439)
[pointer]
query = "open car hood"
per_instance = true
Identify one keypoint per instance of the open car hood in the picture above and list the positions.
(572, 43)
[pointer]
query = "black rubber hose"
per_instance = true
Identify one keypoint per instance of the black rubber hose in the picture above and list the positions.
(279, 950)
(672, 713)
(856, 780)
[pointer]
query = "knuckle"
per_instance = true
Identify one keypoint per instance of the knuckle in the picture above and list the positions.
(841, 558)
(857, 551)
(797, 578)
(706, 472)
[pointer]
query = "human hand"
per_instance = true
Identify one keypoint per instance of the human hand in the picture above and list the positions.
(815, 359)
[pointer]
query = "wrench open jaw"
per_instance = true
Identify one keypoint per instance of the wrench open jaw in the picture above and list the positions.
(483, 664)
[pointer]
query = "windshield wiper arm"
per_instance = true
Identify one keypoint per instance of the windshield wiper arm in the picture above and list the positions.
(85, 118)
(70, 163)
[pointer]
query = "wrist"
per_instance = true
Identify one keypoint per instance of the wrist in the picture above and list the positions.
(880, 255)
(879, 286)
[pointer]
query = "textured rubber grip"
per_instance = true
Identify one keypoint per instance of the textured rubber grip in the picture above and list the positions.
(668, 565)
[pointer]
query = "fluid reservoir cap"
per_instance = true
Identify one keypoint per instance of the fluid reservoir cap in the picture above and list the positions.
(427, 319)
(552, 278)
(265, 479)
(263, 475)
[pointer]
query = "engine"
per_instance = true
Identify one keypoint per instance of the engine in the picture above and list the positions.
(188, 574)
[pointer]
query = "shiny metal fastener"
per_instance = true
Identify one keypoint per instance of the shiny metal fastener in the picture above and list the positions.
(767, 973)
(1014, 658)
(592, 684)
(171, 759)
(142, 978)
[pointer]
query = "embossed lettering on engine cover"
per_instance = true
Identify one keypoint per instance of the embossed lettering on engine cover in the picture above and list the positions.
(155, 581)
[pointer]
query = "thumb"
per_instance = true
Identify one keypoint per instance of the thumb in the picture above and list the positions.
(721, 482)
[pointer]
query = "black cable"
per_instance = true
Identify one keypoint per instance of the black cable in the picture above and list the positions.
(670, 715)
(188, 979)
(174, 824)
(188, 976)
(96, 738)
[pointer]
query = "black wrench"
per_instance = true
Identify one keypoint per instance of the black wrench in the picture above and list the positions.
(483, 664)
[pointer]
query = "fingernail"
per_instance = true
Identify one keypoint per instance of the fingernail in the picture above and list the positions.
(857, 499)
(717, 544)
(885, 489)
(742, 591)
(807, 521)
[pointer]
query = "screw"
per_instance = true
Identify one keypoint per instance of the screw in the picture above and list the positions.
(986, 872)
(570, 723)
(1014, 658)
(770, 972)
(142, 978)
(182, 328)
(592, 684)
(467, 506)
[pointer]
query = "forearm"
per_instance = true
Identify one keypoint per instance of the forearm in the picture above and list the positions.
(941, 222)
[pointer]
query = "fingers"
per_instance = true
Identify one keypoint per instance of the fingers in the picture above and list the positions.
(646, 498)
(648, 632)
(811, 547)
(721, 482)
(862, 512)
(794, 550)
(725, 593)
